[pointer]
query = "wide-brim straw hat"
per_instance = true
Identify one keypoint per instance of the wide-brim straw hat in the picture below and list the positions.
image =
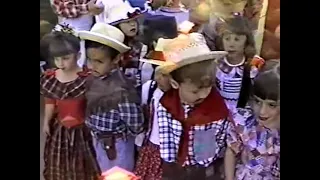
(124, 12)
(107, 35)
(181, 51)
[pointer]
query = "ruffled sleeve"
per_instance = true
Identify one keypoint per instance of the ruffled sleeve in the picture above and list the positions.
(238, 129)
(45, 78)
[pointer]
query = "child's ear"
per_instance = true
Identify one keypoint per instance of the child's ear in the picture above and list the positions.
(117, 59)
(174, 84)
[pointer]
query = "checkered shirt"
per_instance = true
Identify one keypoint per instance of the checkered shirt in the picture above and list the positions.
(70, 8)
(170, 131)
(128, 118)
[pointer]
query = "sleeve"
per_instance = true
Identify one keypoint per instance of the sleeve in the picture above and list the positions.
(145, 92)
(233, 139)
(68, 9)
(131, 114)
(275, 170)
(168, 149)
(49, 101)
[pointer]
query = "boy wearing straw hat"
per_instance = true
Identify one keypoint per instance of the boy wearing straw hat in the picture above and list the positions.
(192, 116)
(113, 105)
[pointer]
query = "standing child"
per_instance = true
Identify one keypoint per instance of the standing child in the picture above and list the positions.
(114, 114)
(254, 136)
(236, 70)
(192, 115)
(148, 165)
(155, 27)
(124, 17)
(68, 150)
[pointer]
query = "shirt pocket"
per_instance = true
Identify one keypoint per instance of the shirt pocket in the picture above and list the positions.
(205, 144)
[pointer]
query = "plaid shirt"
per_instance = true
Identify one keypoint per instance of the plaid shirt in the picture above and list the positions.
(127, 118)
(70, 8)
(170, 131)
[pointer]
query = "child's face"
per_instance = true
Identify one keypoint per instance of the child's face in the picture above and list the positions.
(100, 62)
(67, 62)
(234, 44)
(191, 94)
(129, 28)
(267, 111)
(163, 81)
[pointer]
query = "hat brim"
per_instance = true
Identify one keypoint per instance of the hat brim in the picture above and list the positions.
(105, 40)
(129, 19)
(166, 67)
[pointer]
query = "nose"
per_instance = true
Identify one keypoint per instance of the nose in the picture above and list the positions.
(89, 65)
(59, 62)
(132, 23)
(204, 93)
(263, 109)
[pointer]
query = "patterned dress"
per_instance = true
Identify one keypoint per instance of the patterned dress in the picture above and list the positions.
(68, 153)
(259, 148)
(229, 81)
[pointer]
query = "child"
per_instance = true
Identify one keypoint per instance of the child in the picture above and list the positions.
(149, 162)
(68, 152)
(173, 8)
(78, 14)
(255, 134)
(124, 17)
(155, 27)
(236, 70)
(113, 112)
(192, 115)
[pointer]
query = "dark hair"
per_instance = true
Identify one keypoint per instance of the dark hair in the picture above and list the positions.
(199, 73)
(61, 43)
(111, 52)
(241, 26)
(267, 83)
(126, 38)
(158, 26)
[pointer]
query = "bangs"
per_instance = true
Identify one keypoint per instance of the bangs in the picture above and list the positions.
(58, 48)
(267, 86)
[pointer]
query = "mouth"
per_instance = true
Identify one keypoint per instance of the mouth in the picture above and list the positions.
(133, 30)
(198, 101)
(231, 51)
(263, 118)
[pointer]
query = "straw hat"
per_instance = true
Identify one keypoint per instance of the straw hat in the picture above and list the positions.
(107, 35)
(124, 12)
(182, 51)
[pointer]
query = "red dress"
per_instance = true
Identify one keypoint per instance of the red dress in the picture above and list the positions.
(68, 152)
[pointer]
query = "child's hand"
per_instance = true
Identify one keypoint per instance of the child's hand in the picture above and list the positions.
(46, 129)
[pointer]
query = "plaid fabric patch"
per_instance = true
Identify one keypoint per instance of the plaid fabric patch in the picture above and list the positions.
(127, 118)
(68, 153)
(70, 8)
(170, 131)
(51, 87)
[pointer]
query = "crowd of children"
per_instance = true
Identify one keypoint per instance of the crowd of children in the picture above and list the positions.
(158, 98)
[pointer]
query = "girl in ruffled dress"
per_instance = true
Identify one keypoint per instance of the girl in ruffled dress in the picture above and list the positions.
(236, 71)
(253, 140)
(68, 152)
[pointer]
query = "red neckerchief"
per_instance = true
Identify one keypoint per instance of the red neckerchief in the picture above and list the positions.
(212, 109)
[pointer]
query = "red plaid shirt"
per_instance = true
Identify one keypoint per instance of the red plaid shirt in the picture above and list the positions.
(70, 8)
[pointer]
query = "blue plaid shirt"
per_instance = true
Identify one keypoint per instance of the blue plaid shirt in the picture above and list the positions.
(126, 118)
